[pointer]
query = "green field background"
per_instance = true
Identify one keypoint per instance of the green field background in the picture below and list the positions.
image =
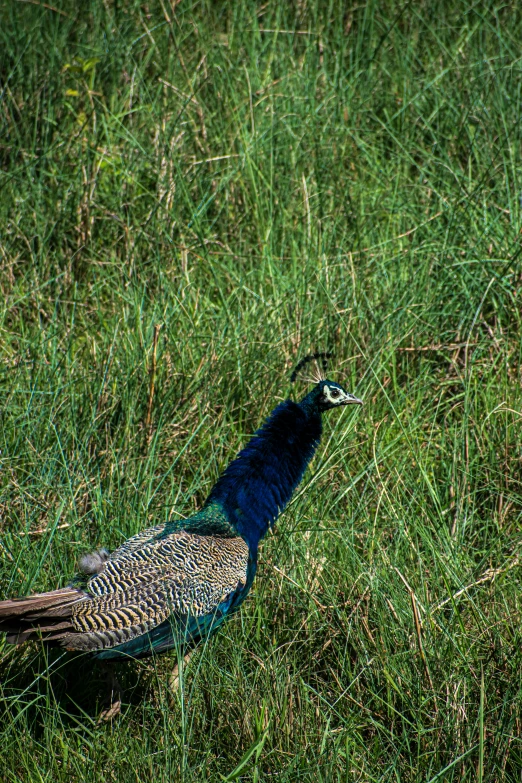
(250, 182)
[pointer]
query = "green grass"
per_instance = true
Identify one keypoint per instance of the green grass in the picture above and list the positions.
(263, 180)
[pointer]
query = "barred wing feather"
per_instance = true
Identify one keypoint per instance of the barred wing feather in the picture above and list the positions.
(182, 579)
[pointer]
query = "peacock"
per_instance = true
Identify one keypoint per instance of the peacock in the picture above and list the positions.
(172, 585)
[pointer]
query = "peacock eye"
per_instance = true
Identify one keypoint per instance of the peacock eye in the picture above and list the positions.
(335, 393)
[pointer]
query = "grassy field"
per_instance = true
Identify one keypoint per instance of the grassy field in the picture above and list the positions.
(250, 182)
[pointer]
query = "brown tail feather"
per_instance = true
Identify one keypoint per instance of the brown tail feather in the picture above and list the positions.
(48, 633)
(19, 637)
(39, 603)
(44, 616)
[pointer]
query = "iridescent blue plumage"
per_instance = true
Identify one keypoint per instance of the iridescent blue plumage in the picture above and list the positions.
(174, 584)
(259, 483)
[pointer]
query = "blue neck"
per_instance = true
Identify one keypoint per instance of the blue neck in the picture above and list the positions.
(259, 483)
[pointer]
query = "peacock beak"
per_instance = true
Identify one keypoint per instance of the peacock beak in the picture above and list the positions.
(351, 398)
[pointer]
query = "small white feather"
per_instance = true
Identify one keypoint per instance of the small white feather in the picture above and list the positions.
(94, 562)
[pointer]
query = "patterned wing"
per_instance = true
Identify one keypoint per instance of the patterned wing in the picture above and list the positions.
(182, 576)
(137, 541)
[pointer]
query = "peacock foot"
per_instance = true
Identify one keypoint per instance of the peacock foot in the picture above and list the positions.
(174, 678)
(113, 700)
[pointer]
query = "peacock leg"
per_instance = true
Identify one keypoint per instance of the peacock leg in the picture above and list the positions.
(173, 682)
(113, 700)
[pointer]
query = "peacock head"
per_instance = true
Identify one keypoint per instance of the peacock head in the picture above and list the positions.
(326, 394)
(331, 395)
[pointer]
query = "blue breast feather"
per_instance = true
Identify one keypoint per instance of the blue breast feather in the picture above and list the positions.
(259, 483)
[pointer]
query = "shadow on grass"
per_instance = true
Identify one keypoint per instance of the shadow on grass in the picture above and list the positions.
(36, 679)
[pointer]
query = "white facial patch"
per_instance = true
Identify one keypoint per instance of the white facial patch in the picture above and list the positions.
(333, 395)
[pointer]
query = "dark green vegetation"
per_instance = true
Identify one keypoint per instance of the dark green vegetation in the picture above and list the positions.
(263, 180)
